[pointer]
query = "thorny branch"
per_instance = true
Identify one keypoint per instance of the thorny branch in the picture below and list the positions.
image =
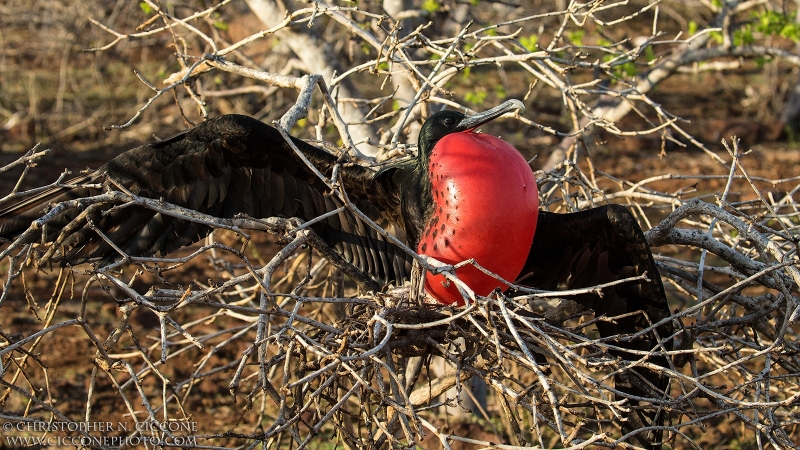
(309, 355)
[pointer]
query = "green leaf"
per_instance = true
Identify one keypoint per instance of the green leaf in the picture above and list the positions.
(623, 70)
(146, 8)
(500, 91)
(773, 23)
(649, 54)
(220, 25)
(692, 27)
(576, 37)
(529, 42)
(629, 68)
(431, 6)
(743, 36)
(298, 127)
(476, 97)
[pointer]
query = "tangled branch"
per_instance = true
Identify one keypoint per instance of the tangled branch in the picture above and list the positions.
(273, 335)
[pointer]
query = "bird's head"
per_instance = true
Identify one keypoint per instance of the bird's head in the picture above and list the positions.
(443, 123)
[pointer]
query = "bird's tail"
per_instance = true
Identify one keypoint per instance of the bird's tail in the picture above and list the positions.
(600, 245)
(640, 382)
(19, 212)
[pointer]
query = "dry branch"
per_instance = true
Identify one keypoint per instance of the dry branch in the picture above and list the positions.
(309, 356)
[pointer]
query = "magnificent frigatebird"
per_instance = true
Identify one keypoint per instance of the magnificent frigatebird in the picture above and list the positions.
(465, 195)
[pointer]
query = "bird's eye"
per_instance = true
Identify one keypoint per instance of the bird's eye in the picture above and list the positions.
(448, 122)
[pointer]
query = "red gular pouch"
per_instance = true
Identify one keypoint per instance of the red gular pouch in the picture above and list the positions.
(486, 204)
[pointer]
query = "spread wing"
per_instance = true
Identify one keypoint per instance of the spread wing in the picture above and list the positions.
(597, 246)
(225, 166)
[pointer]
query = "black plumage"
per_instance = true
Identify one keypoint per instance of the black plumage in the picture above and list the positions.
(235, 164)
(597, 246)
(225, 166)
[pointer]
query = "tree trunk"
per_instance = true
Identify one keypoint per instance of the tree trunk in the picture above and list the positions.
(319, 58)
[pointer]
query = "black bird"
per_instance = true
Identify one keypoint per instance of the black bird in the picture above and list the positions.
(464, 195)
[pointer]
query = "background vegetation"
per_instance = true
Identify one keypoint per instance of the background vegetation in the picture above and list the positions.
(627, 103)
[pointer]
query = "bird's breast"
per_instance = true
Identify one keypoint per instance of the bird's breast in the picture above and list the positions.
(485, 203)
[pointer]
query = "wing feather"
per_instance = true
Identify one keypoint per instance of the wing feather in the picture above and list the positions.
(223, 167)
(596, 246)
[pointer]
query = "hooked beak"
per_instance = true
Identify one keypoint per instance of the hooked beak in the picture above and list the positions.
(469, 123)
